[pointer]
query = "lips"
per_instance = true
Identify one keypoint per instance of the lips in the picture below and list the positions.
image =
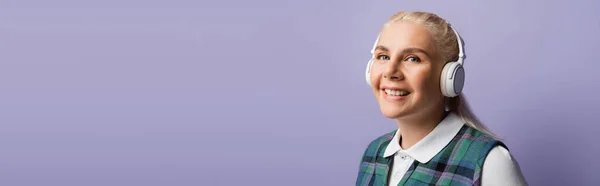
(396, 92)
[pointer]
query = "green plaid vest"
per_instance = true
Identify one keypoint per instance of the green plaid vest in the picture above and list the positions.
(459, 163)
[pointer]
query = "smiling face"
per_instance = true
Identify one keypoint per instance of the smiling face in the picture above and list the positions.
(406, 72)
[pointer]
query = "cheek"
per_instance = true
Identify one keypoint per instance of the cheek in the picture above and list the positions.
(419, 77)
(434, 80)
(426, 81)
(375, 75)
(433, 83)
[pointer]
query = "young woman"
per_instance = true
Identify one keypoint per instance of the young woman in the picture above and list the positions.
(417, 76)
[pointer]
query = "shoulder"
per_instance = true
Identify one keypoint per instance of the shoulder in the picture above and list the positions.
(494, 161)
(379, 144)
(479, 144)
(500, 167)
(499, 154)
(472, 134)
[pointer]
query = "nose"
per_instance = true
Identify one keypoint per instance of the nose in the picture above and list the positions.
(393, 72)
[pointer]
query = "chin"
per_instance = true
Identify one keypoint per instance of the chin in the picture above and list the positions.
(393, 113)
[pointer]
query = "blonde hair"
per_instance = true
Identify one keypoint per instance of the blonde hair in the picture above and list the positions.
(447, 47)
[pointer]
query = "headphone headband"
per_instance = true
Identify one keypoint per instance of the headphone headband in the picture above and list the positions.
(461, 53)
(374, 45)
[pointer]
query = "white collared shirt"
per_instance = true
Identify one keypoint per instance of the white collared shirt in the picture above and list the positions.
(499, 168)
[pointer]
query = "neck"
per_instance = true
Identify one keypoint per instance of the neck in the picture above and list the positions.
(415, 129)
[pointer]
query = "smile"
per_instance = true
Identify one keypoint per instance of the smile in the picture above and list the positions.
(391, 92)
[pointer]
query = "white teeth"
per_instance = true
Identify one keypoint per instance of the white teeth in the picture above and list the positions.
(396, 92)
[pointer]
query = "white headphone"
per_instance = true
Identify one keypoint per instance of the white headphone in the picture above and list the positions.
(453, 74)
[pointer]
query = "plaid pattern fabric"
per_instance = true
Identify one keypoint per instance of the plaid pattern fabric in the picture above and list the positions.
(459, 163)
(374, 167)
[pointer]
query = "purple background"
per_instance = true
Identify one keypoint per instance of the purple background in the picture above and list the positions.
(268, 92)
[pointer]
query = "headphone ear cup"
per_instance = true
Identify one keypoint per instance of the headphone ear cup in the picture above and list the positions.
(368, 72)
(459, 79)
(452, 79)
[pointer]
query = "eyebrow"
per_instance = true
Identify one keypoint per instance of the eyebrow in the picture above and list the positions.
(406, 50)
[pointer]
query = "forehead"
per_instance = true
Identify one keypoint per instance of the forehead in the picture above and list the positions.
(400, 35)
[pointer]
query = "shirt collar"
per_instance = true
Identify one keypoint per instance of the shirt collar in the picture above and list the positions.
(431, 144)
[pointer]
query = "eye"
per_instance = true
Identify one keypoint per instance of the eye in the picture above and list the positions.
(413, 59)
(383, 57)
